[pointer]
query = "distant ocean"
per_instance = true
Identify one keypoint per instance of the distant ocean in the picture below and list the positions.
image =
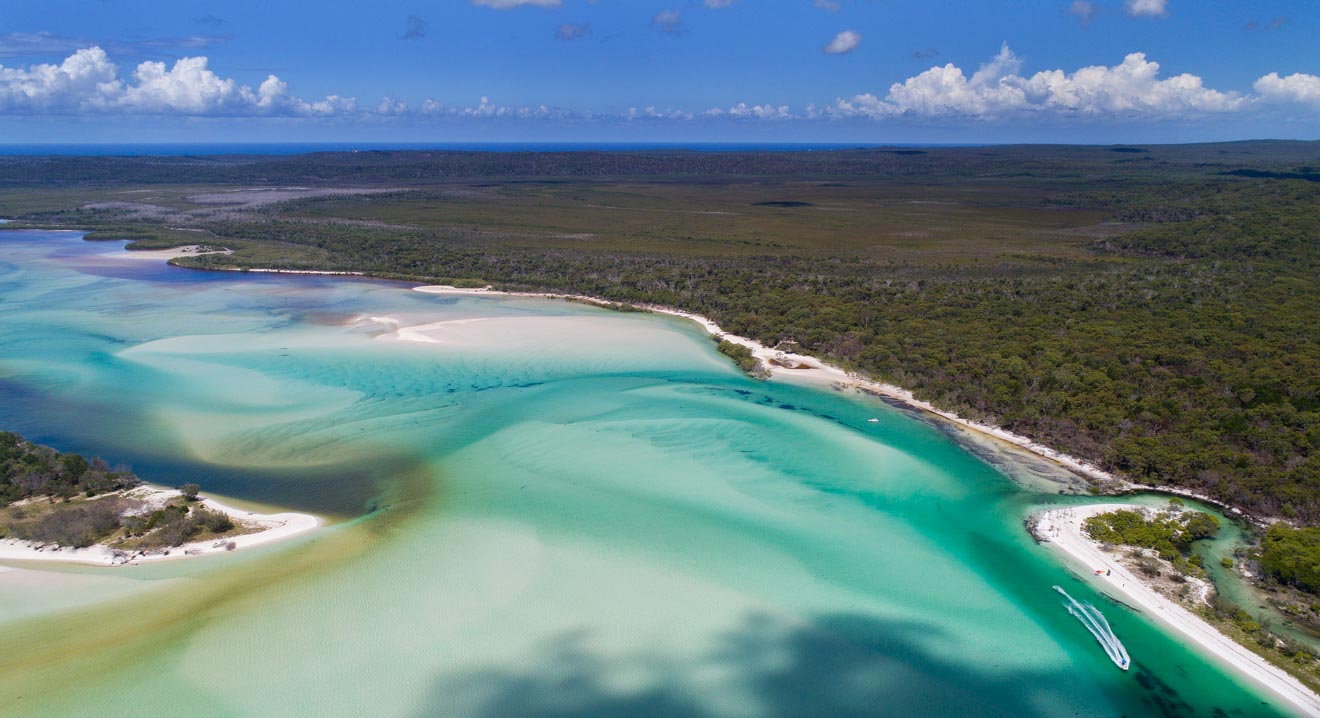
(105, 150)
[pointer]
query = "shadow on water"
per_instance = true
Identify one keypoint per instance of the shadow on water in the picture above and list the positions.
(840, 665)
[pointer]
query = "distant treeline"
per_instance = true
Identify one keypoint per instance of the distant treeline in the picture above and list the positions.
(418, 167)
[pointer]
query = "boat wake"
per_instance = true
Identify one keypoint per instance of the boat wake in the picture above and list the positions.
(1095, 622)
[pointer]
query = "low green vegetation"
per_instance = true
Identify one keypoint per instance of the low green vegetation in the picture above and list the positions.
(120, 522)
(1291, 556)
(1259, 636)
(67, 500)
(28, 470)
(741, 355)
(1169, 533)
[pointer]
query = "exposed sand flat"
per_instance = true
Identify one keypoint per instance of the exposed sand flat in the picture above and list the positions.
(1062, 530)
(159, 255)
(274, 527)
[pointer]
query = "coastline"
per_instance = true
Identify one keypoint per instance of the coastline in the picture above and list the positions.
(274, 527)
(784, 364)
(1061, 530)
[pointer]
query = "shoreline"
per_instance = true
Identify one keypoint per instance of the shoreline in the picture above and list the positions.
(785, 364)
(274, 527)
(1061, 530)
(191, 250)
(775, 363)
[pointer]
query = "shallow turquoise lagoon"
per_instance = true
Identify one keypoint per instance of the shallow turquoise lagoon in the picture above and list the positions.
(543, 509)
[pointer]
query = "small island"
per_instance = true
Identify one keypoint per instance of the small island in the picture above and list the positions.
(64, 506)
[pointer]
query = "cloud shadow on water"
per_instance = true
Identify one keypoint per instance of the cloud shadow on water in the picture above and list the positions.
(840, 665)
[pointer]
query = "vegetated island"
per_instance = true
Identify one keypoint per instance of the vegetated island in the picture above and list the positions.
(64, 507)
(1148, 558)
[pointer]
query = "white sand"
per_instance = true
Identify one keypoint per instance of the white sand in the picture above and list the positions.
(1062, 529)
(274, 527)
(191, 250)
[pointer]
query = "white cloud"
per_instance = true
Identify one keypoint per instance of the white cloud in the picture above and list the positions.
(844, 42)
(828, 5)
(87, 77)
(1297, 88)
(390, 106)
(1146, 8)
(510, 4)
(87, 81)
(650, 112)
(1083, 9)
(997, 89)
(486, 108)
(717, 4)
(761, 112)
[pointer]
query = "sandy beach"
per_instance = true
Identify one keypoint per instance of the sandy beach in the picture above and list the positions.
(1062, 531)
(164, 255)
(274, 527)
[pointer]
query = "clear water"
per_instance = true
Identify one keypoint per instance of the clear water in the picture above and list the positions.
(555, 510)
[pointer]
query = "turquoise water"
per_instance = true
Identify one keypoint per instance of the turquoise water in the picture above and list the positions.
(550, 510)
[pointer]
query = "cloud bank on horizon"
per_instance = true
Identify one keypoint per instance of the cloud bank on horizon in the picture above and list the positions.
(714, 61)
(88, 82)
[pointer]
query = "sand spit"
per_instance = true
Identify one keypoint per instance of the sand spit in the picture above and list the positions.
(191, 250)
(273, 527)
(1062, 530)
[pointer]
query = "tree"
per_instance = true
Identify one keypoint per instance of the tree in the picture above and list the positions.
(190, 491)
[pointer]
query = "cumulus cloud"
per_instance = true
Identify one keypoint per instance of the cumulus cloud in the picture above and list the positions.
(843, 43)
(1083, 10)
(1298, 88)
(761, 112)
(390, 106)
(651, 113)
(510, 4)
(1146, 8)
(87, 81)
(668, 21)
(490, 109)
(569, 32)
(998, 89)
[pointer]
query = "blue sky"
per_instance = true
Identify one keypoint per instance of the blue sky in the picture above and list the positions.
(681, 71)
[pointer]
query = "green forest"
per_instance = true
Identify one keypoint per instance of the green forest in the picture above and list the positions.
(30, 470)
